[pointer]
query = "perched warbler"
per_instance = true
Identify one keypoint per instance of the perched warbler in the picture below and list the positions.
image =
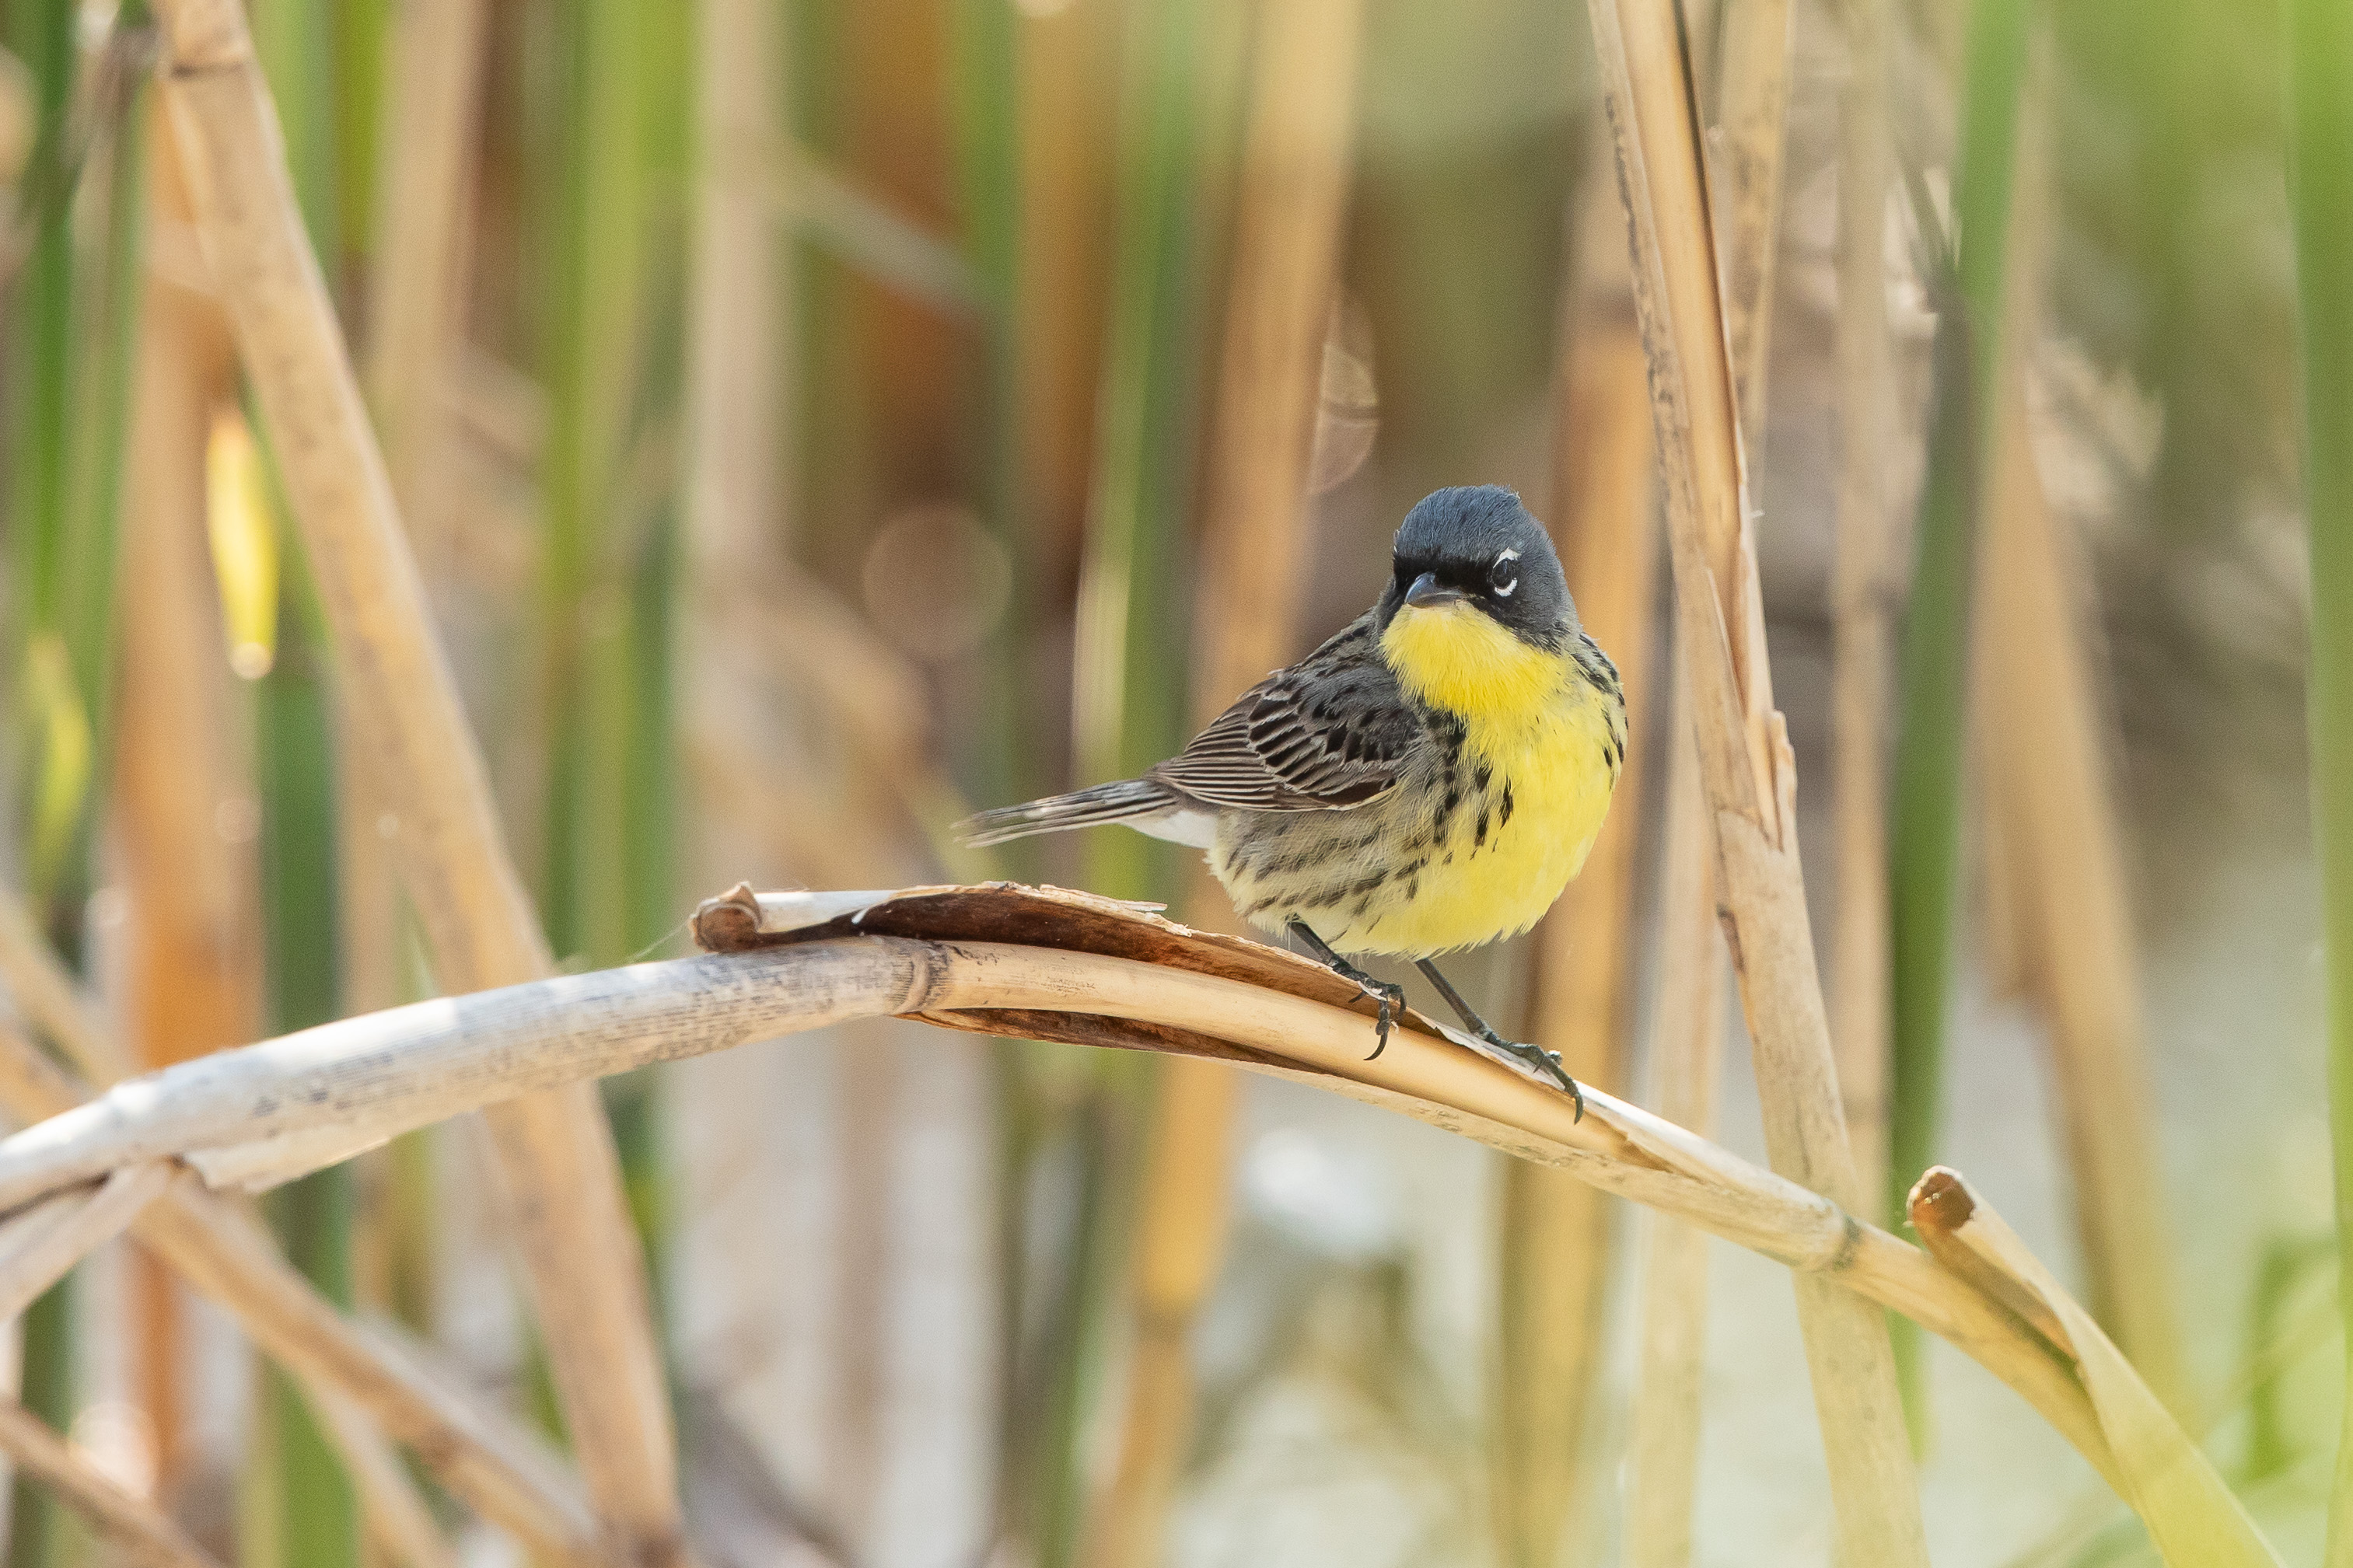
(1427, 780)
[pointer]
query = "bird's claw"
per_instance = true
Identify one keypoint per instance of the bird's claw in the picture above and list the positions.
(1391, 999)
(1543, 1061)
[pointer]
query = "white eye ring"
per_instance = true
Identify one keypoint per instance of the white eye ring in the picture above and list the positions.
(1504, 590)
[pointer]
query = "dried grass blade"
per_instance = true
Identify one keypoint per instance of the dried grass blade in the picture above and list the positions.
(556, 1154)
(132, 1525)
(2189, 1512)
(36, 1250)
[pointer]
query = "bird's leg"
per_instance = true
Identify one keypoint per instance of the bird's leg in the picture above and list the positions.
(1535, 1055)
(1391, 997)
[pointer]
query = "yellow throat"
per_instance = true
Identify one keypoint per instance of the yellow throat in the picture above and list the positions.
(1459, 658)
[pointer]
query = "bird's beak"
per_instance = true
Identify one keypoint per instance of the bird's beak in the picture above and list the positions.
(1428, 594)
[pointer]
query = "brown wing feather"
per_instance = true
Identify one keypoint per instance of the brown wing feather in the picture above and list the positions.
(1330, 732)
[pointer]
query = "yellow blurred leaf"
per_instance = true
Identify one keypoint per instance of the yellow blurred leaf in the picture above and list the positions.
(61, 763)
(244, 543)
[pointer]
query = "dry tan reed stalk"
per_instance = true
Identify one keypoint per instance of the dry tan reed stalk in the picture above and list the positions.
(1556, 1251)
(555, 1153)
(2191, 1514)
(1290, 201)
(180, 796)
(417, 277)
(39, 1246)
(1754, 100)
(2041, 729)
(737, 359)
(1745, 752)
(136, 1530)
(1863, 595)
(1085, 970)
(1686, 1051)
(496, 1467)
(2047, 777)
(416, 287)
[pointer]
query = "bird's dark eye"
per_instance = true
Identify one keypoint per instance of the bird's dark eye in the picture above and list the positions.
(1504, 575)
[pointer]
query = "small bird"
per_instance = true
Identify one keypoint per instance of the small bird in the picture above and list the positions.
(1427, 780)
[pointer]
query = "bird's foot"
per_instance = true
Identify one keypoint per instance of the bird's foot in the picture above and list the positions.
(1391, 999)
(1543, 1061)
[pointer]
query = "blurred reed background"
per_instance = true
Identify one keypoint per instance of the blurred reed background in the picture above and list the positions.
(812, 420)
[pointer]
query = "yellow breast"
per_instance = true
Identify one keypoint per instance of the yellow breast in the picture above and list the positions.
(1548, 741)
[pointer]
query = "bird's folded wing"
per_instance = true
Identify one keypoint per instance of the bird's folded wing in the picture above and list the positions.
(1323, 735)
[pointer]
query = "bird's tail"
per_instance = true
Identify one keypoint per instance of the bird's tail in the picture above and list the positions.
(1120, 802)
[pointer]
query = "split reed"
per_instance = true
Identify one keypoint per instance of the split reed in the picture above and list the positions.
(1744, 747)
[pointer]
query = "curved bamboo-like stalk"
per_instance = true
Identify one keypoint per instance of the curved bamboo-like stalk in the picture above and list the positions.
(136, 1529)
(1745, 750)
(1291, 202)
(556, 1154)
(1557, 1241)
(1191, 993)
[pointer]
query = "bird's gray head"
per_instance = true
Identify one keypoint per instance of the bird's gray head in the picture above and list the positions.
(1476, 544)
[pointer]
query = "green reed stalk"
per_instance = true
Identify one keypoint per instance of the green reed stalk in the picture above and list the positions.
(2320, 160)
(64, 446)
(1924, 804)
(320, 60)
(610, 345)
(294, 732)
(1129, 699)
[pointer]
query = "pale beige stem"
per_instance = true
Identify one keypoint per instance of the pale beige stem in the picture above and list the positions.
(136, 1530)
(38, 1246)
(1744, 748)
(1291, 202)
(555, 1153)
(1557, 1252)
(1863, 594)
(1686, 1049)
